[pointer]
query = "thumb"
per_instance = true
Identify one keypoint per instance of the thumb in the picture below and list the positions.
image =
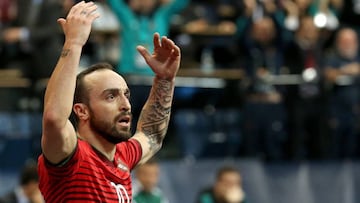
(144, 53)
(62, 22)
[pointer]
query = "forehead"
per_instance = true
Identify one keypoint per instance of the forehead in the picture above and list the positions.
(101, 80)
(232, 176)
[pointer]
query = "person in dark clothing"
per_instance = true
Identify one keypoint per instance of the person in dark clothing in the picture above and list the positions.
(304, 101)
(342, 73)
(28, 189)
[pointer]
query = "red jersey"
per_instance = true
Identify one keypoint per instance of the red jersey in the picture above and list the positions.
(89, 176)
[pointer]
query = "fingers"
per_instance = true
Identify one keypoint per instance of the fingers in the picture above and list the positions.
(166, 43)
(175, 52)
(170, 45)
(142, 50)
(89, 11)
(62, 22)
(163, 43)
(156, 40)
(84, 9)
(76, 8)
(77, 25)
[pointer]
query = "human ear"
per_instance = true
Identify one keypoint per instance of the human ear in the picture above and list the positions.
(81, 111)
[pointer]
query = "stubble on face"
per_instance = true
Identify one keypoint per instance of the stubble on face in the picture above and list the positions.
(108, 129)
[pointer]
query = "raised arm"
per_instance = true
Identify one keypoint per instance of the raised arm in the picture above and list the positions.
(154, 118)
(58, 136)
(123, 12)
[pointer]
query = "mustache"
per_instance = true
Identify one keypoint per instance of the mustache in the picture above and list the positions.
(124, 113)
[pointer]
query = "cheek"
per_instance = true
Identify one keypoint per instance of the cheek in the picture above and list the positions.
(105, 108)
(100, 112)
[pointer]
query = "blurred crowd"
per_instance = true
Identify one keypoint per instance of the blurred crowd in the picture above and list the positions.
(299, 97)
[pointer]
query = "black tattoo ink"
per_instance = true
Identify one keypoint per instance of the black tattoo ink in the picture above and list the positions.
(155, 118)
(65, 52)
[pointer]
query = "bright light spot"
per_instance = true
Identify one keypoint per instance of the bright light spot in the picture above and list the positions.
(320, 20)
(309, 74)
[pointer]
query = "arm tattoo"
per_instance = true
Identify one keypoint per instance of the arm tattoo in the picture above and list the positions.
(154, 118)
(65, 52)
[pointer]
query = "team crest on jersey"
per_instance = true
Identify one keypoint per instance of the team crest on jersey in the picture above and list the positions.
(121, 165)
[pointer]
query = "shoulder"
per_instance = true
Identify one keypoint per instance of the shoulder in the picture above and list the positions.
(81, 150)
(123, 147)
(130, 152)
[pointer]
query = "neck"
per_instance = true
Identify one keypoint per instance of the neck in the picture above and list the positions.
(98, 142)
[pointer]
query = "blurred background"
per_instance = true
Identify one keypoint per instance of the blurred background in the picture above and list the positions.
(271, 87)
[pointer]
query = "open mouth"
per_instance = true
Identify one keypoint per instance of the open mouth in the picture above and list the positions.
(125, 120)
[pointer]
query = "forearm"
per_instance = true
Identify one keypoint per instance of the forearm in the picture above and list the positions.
(155, 116)
(60, 89)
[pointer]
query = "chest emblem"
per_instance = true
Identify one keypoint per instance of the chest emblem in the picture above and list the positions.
(120, 165)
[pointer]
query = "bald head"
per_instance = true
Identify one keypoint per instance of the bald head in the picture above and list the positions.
(347, 43)
(264, 30)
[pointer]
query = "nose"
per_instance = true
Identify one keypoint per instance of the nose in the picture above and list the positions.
(124, 103)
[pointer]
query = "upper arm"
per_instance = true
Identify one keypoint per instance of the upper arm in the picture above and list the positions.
(149, 146)
(57, 143)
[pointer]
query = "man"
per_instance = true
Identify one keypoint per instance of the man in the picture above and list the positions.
(32, 38)
(147, 190)
(342, 71)
(95, 165)
(30, 42)
(138, 20)
(226, 189)
(305, 102)
(28, 189)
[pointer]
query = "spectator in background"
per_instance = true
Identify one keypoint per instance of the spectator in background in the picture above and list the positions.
(342, 70)
(139, 19)
(253, 11)
(320, 10)
(32, 41)
(146, 188)
(33, 37)
(105, 35)
(305, 100)
(28, 189)
(226, 189)
(210, 26)
(264, 112)
(7, 12)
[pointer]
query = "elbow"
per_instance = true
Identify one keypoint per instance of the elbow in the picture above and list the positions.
(155, 142)
(52, 119)
(157, 147)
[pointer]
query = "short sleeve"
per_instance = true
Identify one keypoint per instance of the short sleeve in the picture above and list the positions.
(130, 152)
(66, 169)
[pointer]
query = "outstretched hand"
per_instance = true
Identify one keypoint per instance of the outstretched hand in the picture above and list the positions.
(77, 25)
(165, 60)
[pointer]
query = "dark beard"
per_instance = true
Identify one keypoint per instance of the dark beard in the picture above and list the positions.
(108, 130)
